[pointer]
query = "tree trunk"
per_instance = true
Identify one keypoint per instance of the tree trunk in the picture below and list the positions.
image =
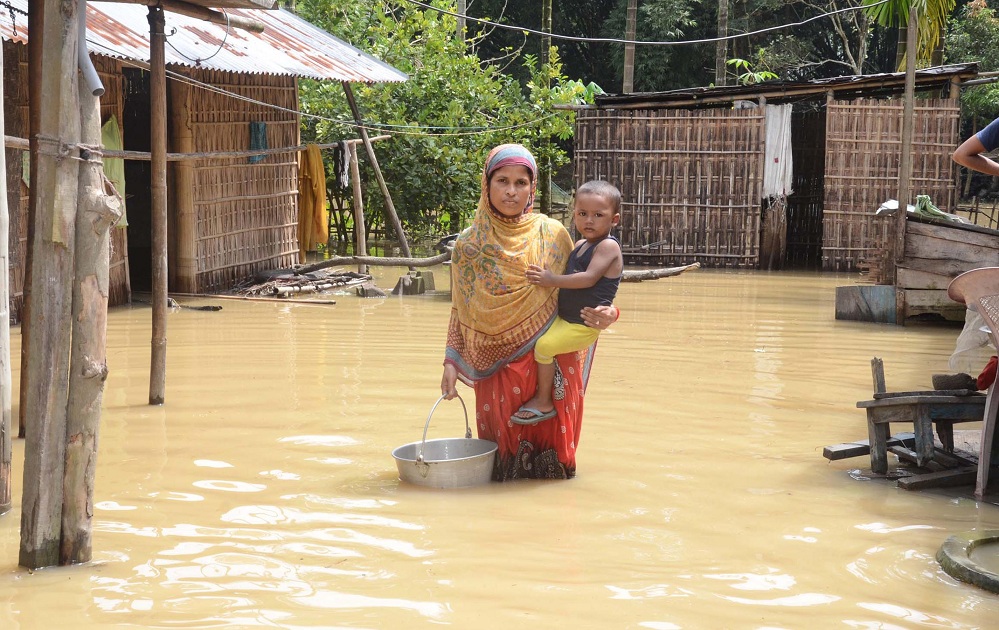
(36, 24)
(158, 166)
(51, 289)
(6, 497)
(721, 46)
(96, 213)
(628, 84)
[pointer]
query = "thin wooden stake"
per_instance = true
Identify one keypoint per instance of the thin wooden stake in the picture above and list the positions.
(389, 206)
(360, 229)
(158, 140)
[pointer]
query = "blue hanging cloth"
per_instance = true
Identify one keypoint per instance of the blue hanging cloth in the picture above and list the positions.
(258, 140)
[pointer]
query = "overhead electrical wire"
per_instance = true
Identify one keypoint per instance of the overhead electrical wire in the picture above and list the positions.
(612, 40)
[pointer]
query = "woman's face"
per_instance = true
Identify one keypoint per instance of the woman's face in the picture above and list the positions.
(509, 189)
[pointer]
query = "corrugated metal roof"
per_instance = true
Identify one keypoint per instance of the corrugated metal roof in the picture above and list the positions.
(851, 86)
(288, 46)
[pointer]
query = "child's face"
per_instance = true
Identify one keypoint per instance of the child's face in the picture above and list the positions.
(594, 216)
(509, 189)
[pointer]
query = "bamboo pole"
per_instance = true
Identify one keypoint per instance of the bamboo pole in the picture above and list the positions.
(13, 142)
(389, 207)
(96, 213)
(36, 24)
(905, 159)
(360, 229)
(182, 197)
(6, 456)
(158, 140)
(51, 290)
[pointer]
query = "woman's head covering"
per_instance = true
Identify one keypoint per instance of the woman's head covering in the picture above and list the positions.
(496, 315)
(509, 155)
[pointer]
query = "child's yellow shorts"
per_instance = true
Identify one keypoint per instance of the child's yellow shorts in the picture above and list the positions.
(563, 337)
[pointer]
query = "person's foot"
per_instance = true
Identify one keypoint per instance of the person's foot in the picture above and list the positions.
(533, 412)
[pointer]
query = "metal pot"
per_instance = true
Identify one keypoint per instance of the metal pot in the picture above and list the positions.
(447, 462)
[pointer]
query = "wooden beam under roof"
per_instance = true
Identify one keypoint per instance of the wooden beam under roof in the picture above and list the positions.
(213, 4)
(205, 10)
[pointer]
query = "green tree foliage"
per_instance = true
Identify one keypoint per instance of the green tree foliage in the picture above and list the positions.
(974, 36)
(444, 119)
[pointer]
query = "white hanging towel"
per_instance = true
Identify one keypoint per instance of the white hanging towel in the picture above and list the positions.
(778, 175)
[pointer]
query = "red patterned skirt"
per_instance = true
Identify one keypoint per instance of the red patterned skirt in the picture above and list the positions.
(546, 450)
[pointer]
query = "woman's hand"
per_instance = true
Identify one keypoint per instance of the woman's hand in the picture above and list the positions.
(449, 382)
(600, 317)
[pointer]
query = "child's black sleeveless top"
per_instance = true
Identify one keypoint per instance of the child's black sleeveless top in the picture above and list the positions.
(571, 301)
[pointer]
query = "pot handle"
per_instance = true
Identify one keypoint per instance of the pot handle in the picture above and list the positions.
(468, 432)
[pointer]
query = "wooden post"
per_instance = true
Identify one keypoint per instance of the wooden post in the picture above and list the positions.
(51, 289)
(360, 229)
(182, 197)
(544, 162)
(157, 188)
(905, 159)
(6, 497)
(389, 207)
(36, 24)
(96, 213)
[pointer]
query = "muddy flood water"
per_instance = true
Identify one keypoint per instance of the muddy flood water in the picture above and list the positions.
(264, 494)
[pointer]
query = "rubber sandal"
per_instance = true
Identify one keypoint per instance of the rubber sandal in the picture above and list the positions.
(536, 416)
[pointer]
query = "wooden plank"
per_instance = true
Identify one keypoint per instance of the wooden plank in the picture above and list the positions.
(971, 234)
(863, 447)
(909, 277)
(942, 479)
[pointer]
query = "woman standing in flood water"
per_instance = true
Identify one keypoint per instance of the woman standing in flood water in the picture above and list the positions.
(496, 317)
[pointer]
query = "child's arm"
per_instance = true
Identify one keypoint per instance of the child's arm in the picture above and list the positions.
(606, 254)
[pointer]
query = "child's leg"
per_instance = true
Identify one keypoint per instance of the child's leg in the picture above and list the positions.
(561, 338)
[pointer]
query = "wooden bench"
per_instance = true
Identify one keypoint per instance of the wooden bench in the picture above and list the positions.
(922, 410)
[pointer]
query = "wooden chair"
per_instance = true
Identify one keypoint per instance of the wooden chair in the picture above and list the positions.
(979, 289)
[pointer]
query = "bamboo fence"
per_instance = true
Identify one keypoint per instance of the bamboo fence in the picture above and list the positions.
(690, 181)
(16, 102)
(863, 138)
(245, 214)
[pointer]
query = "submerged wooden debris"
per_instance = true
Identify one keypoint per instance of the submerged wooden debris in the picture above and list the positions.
(283, 283)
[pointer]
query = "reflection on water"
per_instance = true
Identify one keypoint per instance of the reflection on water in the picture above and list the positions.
(264, 493)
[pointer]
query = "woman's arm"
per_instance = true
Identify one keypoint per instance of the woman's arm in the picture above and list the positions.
(969, 154)
(600, 317)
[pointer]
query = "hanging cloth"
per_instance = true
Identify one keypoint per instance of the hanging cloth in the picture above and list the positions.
(778, 176)
(313, 219)
(258, 140)
(114, 168)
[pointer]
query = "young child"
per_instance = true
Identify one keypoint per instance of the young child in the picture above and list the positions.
(591, 278)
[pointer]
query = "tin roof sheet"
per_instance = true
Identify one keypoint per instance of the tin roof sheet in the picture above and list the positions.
(288, 46)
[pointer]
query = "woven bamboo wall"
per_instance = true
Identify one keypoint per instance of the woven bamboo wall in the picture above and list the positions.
(246, 213)
(16, 101)
(690, 181)
(863, 138)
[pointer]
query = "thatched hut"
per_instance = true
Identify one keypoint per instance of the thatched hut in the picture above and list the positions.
(695, 165)
(229, 90)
